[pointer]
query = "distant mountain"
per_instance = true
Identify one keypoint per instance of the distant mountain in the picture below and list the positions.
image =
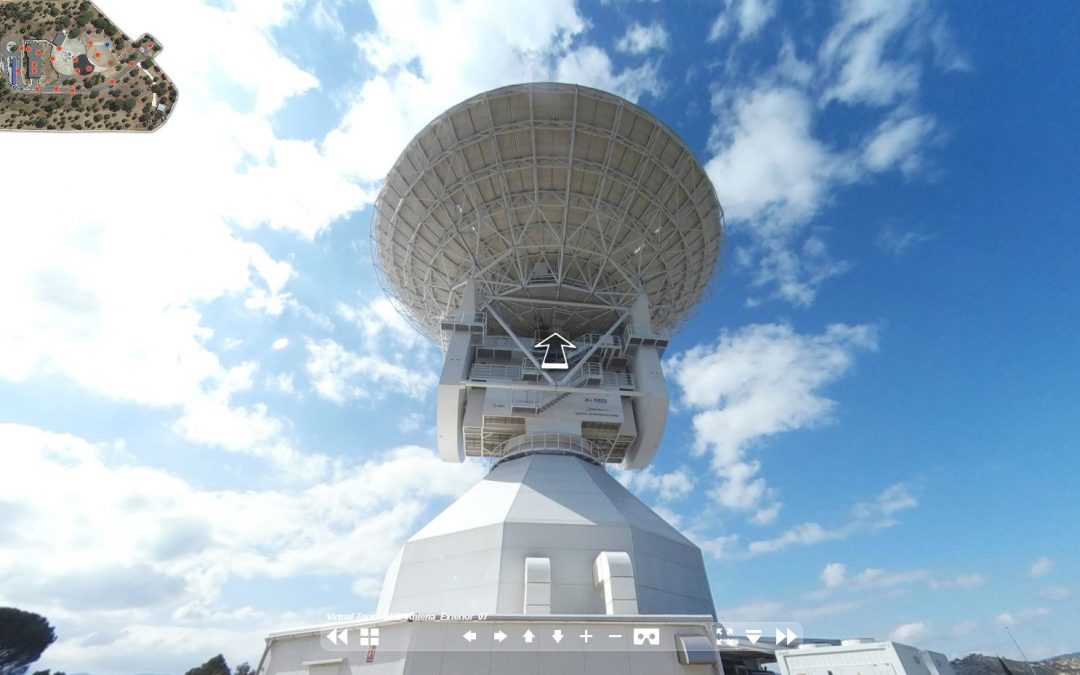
(1066, 663)
(979, 664)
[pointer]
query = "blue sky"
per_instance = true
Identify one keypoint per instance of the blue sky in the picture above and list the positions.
(213, 424)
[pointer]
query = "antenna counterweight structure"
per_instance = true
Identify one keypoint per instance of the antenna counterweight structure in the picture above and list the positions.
(538, 209)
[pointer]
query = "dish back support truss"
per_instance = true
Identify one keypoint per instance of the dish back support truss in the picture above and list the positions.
(558, 201)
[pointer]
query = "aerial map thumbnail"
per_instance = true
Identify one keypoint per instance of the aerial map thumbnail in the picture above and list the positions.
(67, 67)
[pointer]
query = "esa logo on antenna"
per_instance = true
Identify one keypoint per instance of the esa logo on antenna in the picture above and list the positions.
(646, 636)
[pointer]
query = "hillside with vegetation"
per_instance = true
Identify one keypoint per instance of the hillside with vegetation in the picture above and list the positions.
(124, 100)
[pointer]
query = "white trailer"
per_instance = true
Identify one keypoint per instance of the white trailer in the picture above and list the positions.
(861, 657)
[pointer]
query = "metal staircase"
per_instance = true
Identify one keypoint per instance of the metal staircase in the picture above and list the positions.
(537, 402)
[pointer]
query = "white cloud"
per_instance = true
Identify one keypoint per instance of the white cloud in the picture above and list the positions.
(156, 552)
(963, 628)
(640, 39)
(755, 383)
(865, 516)
(893, 499)
(773, 176)
(281, 383)
(279, 344)
(857, 50)
(910, 632)
(427, 57)
(411, 422)
(1056, 592)
(382, 327)
(749, 16)
(769, 167)
(1040, 567)
(592, 66)
(897, 143)
(339, 375)
(873, 577)
(392, 357)
(898, 243)
(768, 514)
(754, 610)
(833, 575)
(961, 581)
(803, 534)
(1023, 616)
(670, 486)
(110, 297)
(773, 170)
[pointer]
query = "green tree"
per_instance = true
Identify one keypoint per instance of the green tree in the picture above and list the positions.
(215, 666)
(244, 669)
(23, 637)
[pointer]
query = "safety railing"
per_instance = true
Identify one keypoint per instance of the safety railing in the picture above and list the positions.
(486, 372)
(548, 443)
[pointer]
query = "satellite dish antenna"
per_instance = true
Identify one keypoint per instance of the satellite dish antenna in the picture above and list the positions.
(538, 209)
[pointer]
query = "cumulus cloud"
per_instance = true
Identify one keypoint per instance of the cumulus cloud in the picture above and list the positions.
(747, 16)
(1056, 592)
(773, 169)
(382, 326)
(390, 356)
(910, 632)
(340, 375)
(1040, 567)
(111, 297)
(1022, 616)
(670, 486)
(639, 39)
(281, 383)
(833, 574)
(156, 551)
(427, 57)
(411, 422)
(866, 516)
(898, 143)
(752, 384)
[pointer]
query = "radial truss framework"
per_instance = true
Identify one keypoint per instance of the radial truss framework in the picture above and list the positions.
(559, 200)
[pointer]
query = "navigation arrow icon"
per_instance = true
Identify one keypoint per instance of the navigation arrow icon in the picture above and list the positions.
(469, 637)
(789, 637)
(555, 347)
(753, 635)
(557, 635)
(344, 636)
(499, 636)
(528, 636)
(332, 636)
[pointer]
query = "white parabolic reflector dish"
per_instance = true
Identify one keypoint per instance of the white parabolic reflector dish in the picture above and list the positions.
(559, 200)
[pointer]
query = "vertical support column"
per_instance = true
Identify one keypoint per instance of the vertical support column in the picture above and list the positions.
(538, 585)
(651, 408)
(614, 574)
(450, 395)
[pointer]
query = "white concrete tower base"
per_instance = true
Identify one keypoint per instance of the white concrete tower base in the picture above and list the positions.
(472, 558)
